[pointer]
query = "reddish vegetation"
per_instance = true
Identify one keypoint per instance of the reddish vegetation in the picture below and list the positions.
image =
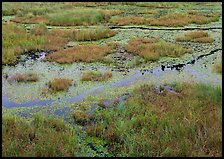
(36, 19)
(195, 36)
(28, 77)
(82, 53)
(60, 84)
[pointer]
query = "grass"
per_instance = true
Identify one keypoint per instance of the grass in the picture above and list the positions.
(80, 117)
(16, 40)
(92, 34)
(217, 67)
(153, 49)
(27, 77)
(96, 76)
(81, 53)
(39, 137)
(149, 124)
(59, 84)
(195, 36)
(76, 17)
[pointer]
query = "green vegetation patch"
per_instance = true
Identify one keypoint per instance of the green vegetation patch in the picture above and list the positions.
(40, 137)
(96, 76)
(153, 49)
(187, 122)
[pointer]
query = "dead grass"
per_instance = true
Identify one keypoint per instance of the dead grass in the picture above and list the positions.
(96, 76)
(92, 34)
(59, 84)
(195, 36)
(82, 53)
(31, 20)
(26, 77)
(152, 49)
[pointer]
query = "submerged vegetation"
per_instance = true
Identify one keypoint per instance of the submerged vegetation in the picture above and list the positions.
(152, 49)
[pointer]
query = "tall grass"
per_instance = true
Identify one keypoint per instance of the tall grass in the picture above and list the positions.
(76, 17)
(153, 49)
(40, 137)
(59, 84)
(149, 124)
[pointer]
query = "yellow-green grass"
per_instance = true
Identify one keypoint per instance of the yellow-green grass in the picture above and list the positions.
(26, 77)
(59, 84)
(92, 34)
(153, 49)
(188, 123)
(80, 117)
(129, 20)
(195, 36)
(16, 40)
(81, 53)
(37, 137)
(95, 76)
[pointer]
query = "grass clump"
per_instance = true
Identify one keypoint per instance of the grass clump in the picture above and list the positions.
(217, 67)
(59, 84)
(82, 53)
(80, 117)
(152, 49)
(39, 137)
(195, 36)
(92, 34)
(188, 123)
(96, 76)
(27, 77)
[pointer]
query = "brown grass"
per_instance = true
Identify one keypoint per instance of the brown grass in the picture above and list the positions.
(195, 36)
(152, 49)
(60, 84)
(82, 53)
(32, 20)
(96, 76)
(27, 77)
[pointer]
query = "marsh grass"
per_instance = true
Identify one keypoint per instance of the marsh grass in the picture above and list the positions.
(39, 137)
(153, 49)
(217, 67)
(76, 17)
(92, 34)
(195, 36)
(96, 76)
(129, 20)
(81, 53)
(149, 124)
(59, 84)
(16, 40)
(27, 77)
(80, 117)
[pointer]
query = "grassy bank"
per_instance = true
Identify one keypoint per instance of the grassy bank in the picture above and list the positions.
(185, 123)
